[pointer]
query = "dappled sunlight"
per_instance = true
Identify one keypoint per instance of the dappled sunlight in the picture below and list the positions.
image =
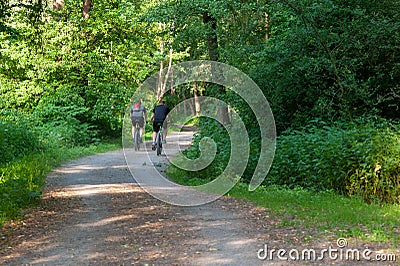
(78, 169)
(84, 190)
(46, 260)
(242, 242)
(149, 225)
(88, 190)
(107, 221)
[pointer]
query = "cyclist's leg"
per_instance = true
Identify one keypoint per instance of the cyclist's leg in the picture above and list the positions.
(133, 128)
(159, 142)
(141, 129)
(156, 128)
(165, 129)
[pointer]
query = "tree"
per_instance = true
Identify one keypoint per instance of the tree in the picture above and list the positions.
(87, 5)
(207, 29)
(92, 66)
(327, 60)
(58, 4)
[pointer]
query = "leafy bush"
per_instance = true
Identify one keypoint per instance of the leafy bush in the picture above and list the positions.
(209, 128)
(356, 159)
(30, 145)
(360, 158)
(21, 181)
(63, 119)
(20, 184)
(377, 175)
(68, 132)
(17, 140)
(327, 59)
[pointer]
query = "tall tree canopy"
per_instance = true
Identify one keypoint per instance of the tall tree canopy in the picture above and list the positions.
(312, 59)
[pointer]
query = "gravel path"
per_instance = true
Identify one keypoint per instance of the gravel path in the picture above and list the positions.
(93, 212)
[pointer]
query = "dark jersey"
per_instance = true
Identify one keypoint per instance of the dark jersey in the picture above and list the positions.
(160, 112)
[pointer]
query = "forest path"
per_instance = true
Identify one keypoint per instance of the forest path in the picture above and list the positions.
(94, 213)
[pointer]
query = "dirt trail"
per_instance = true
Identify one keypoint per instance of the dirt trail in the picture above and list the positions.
(93, 213)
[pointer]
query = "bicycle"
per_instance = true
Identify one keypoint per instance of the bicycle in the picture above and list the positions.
(159, 140)
(136, 138)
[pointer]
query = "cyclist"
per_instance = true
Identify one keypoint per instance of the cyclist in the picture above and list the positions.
(138, 115)
(158, 116)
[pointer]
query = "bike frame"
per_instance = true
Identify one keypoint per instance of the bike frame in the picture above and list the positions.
(137, 136)
(159, 141)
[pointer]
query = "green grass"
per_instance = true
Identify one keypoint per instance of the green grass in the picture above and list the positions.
(194, 121)
(21, 180)
(327, 212)
(176, 175)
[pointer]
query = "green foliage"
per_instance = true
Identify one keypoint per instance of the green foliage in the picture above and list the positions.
(20, 184)
(328, 60)
(68, 132)
(350, 158)
(355, 159)
(17, 139)
(21, 180)
(30, 145)
(210, 128)
(63, 63)
(377, 178)
(61, 119)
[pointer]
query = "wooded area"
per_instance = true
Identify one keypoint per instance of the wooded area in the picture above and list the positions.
(329, 69)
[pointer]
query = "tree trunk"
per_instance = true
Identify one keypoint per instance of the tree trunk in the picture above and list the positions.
(87, 5)
(266, 26)
(163, 84)
(196, 99)
(161, 73)
(192, 108)
(185, 108)
(212, 43)
(58, 4)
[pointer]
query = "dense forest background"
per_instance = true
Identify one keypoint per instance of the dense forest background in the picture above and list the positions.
(329, 69)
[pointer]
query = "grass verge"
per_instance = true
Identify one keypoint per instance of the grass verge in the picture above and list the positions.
(21, 180)
(327, 212)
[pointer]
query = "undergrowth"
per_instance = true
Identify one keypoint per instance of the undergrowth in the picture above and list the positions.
(21, 180)
(29, 150)
(359, 158)
(341, 179)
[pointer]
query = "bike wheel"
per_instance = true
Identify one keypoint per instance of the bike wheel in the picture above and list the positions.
(159, 144)
(137, 140)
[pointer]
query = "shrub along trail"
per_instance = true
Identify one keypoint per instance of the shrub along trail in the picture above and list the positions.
(93, 213)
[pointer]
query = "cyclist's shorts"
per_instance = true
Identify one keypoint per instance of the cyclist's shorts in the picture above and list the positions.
(157, 125)
(139, 120)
